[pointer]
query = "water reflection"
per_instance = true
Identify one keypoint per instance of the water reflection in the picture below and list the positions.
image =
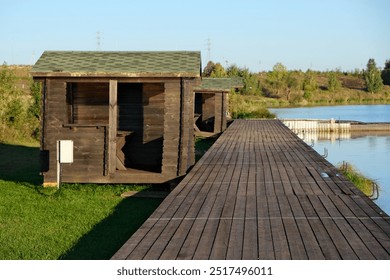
(315, 136)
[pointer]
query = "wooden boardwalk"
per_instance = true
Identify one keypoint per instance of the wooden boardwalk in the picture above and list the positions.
(261, 193)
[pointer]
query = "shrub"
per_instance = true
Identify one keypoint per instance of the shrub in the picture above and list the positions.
(386, 73)
(333, 83)
(307, 95)
(309, 82)
(14, 113)
(259, 113)
(372, 77)
(19, 113)
(242, 107)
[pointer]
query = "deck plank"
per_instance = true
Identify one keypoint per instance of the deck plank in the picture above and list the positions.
(260, 193)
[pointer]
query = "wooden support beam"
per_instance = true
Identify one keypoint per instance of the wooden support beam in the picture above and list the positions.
(224, 111)
(218, 109)
(112, 126)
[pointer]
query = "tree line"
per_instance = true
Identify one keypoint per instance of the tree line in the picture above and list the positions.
(281, 82)
(20, 108)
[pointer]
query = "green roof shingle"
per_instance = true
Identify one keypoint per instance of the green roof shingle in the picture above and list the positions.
(129, 64)
(219, 84)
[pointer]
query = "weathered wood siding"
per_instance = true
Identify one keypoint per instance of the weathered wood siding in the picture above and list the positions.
(130, 114)
(89, 142)
(213, 108)
(220, 109)
(208, 111)
(153, 124)
(55, 113)
(171, 128)
(158, 113)
(89, 154)
(188, 120)
(88, 103)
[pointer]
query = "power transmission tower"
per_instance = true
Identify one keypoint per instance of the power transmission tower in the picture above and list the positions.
(209, 48)
(98, 40)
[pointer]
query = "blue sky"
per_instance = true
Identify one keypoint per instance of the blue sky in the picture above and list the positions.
(257, 34)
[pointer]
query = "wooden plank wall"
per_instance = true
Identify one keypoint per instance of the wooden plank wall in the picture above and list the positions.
(179, 142)
(160, 111)
(208, 111)
(89, 142)
(213, 110)
(88, 103)
(153, 124)
(55, 115)
(89, 153)
(171, 128)
(187, 154)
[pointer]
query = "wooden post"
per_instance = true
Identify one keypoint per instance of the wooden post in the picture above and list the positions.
(112, 126)
(183, 152)
(218, 108)
(186, 146)
(185, 118)
(58, 164)
(224, 111)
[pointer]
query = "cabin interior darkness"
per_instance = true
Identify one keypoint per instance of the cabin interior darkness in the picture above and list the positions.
(204, 111)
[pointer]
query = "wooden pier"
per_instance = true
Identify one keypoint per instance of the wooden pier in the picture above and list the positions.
(313, 125)
(261, 193)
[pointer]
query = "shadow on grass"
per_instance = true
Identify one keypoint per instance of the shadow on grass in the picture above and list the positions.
(20, 164)
(105, 239)
(203, 144)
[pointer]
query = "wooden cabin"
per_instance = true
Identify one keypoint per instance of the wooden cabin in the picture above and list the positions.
(129, 114)
(211, 103)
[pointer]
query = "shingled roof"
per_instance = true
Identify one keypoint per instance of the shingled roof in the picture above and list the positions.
(118, 64)
(219, 84)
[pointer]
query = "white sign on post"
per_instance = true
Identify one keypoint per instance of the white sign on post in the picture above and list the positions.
(64, 155)
(66, 151)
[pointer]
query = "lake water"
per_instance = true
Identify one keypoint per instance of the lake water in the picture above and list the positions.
(363, 113)
(369, 153)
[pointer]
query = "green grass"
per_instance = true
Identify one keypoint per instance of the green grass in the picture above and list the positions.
(249, 107)
(362, 182)
(202, 144)
(75, 222)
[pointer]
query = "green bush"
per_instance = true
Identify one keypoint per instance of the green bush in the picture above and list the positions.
(244, 107)
(372, 77)
(333, 83)
(307, 95)
(14, 113)
(19, 109)
(260, 113)
(309, 83)
(386, 73)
